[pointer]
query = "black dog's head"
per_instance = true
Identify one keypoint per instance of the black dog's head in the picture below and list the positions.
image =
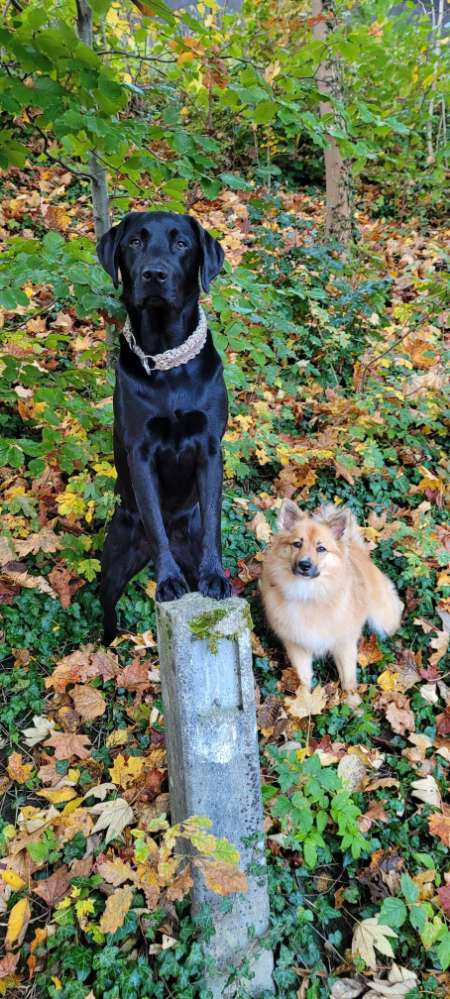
(160, 256)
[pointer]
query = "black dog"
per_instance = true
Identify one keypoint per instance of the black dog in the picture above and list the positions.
(168, 424)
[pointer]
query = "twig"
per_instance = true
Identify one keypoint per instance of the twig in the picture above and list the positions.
(132, 55)
(383, 354)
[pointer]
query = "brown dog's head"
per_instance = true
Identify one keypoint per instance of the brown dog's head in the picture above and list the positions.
(312, 546)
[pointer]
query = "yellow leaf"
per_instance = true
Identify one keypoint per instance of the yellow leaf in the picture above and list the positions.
(125, 772)
(72, 806)
(57, 982)
(443, 579)
(387, 680)
(116, 909)
(185, 57)
(59, 795)
(69, 503)
(12, 879)
(19, 918)
(118, 738)
(150, 589)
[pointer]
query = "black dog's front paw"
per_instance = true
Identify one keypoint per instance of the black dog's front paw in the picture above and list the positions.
(171, 588)
(214, 584)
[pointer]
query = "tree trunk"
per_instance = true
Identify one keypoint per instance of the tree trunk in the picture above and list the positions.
(99, 183)
(338, 179)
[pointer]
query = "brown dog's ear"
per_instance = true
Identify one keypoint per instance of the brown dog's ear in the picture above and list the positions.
(338, 519)
(211, 253)
(108, 251)
(288, 516)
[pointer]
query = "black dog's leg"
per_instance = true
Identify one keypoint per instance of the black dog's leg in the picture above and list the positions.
(170, 582)
(211, 580)
(125, 553)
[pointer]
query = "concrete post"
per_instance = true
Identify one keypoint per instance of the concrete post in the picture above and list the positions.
(212, 750)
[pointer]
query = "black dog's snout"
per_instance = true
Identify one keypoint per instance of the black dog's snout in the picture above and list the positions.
(155, 275)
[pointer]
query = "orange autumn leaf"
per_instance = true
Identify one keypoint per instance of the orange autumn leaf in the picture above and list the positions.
(89, 702)
(439, 825)
(18, 770)
(116, 909)
(369, 651)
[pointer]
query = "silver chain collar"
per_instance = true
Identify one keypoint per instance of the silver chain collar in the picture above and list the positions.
(176, 355)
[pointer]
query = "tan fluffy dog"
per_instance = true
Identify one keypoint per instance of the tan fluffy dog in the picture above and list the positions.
(319, 587)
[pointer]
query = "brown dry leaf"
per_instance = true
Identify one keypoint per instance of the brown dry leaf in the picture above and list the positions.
(66, 745)
(221, 877)
(6, 551)
(307, 702)
(440, 644)
(115, 872)
(369, 651)
(23, 579)
(89, 702)
(18, 770)
(53, 889)
(439, 825)
(116, 909)
(180, 886)
(8, 965)
(43, 541)
(397, 711)
(261, 527)
(85, 664)
(375, 813)
(135, 677)
(18, 920)
(65, 584)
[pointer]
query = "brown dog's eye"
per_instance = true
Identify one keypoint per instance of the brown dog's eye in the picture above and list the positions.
(320, 548)
(136, 241)
(297, 544)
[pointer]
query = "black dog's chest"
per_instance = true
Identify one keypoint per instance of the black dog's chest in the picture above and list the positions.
(178, 429)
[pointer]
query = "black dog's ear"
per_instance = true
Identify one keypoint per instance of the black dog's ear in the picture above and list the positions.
(212, 255)
(108, 251)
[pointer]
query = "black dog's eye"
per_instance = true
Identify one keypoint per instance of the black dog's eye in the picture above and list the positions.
(136, 241)
(320, 548)
(181, 245)
(297, 544)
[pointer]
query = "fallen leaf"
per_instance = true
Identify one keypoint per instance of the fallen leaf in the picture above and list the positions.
(426, 789)
(12, 879)
(440, 644)
(115, 872)
(444, 898)
(119, 737)
(39, 731)
(53, 889)
(43, 541)
(117, 906)
(222, 877)
(369, 651)
(347, 988)
(125, 772)
(260, 527)
(369, 936)
(66, 745)
(307, 702)
(8, 965)
(18, 920)
(113, 816)
(18, 770)
(439, 825)
(27, 582)
(180, 886)
(65, 584)
(135, 677)
(89, 702)
(58, 796)
(83, 665)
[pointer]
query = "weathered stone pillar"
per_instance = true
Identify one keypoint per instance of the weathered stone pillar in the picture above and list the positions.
(212, 749)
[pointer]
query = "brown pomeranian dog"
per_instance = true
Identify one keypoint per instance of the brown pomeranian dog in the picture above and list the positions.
(319, 587)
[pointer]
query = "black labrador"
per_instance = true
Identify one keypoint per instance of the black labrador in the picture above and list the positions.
(168, 424)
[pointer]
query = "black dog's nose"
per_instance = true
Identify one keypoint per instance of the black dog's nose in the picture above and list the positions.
(155, 275)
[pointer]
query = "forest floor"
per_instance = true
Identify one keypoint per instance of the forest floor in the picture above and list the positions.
(336, 378)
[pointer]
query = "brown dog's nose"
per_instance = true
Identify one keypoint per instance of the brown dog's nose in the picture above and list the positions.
(155, 275)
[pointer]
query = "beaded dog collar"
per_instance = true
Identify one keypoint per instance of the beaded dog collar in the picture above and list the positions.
(170, 358)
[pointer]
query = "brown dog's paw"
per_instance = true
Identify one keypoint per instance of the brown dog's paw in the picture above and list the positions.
(214, 584)
(171, 588)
